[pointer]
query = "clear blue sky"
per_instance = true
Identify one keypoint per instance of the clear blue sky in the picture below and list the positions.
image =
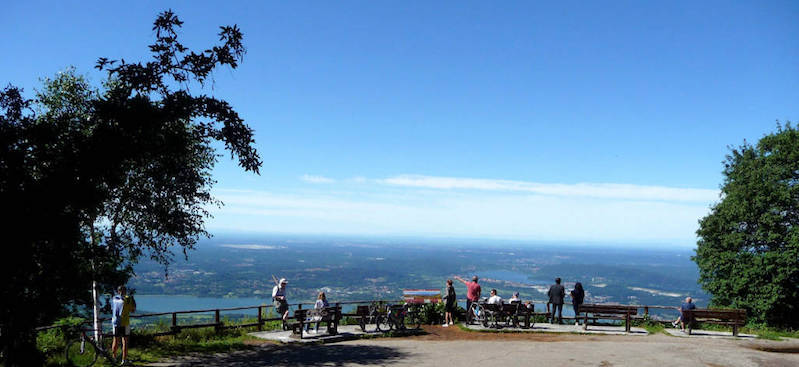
(587, 121)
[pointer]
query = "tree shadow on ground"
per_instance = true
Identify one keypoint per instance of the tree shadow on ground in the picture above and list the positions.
(303, 355)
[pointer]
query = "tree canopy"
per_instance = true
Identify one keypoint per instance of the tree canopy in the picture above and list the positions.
(95, 178)
(748, 248)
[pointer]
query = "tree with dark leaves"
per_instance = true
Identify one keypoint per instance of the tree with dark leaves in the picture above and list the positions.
(748, 250)
(94, 179)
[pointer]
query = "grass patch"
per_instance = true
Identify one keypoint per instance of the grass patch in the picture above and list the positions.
(654, 327)
(770, 333)
(145, 347)
(759, 330)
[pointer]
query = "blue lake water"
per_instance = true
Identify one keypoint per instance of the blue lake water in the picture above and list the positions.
(168, 303)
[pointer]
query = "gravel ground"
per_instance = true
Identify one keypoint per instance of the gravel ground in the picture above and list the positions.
(452, 346)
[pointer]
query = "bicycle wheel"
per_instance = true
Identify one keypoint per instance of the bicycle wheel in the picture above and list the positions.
(381, 323)
(79, 353)
(399, 322)
(414, 320)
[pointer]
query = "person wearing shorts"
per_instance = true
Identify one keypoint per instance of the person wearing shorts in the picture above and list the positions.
(451, 302)
(121, 307)
(279, 299)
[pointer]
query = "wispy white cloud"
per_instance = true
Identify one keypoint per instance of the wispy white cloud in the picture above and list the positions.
(422, 205)
(594, 190)
(317, 179)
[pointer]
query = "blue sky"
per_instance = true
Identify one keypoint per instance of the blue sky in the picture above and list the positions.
(578, 121)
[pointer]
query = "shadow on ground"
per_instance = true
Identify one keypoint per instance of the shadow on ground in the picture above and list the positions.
(301, 355)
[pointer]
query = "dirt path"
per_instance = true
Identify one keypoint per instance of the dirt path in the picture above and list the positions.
(452, 346)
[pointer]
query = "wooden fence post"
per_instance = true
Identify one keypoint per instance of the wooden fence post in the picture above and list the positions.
(218, 325)
(174, 323)
(260, 318)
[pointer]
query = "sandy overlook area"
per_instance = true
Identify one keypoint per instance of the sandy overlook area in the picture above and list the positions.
(452, 346)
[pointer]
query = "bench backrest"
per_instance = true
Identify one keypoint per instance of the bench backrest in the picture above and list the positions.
(608, 309)
(513, 307)
(716, 314)
(492, 307)
(331, 312)
(300, 314)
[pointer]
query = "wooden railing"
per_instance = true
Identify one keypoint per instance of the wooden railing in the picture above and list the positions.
(218, 322)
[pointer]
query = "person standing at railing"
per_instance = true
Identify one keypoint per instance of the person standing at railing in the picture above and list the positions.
(451, 301)
(578, 296)
(556, 294)
(472, 295)
(122, 305)
(279, 299)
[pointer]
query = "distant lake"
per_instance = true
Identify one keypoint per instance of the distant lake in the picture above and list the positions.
(167, 303)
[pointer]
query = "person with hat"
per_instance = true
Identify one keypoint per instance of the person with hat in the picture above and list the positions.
(279, 299)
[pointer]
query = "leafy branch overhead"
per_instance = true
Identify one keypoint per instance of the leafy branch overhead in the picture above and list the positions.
(98, 178)
(174, 60)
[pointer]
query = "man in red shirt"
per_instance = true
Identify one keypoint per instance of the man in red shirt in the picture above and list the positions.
(472, 295)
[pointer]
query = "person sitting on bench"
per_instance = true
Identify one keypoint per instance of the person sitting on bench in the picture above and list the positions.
(321, 302)
(515, 298)
(494, 299)
(682, 319)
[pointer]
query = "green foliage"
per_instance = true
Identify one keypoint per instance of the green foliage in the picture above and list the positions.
(432, 313)
(145, 347)
(748, 248)
(96, 179)
(650, 325)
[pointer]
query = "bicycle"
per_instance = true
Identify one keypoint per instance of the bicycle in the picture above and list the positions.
(400, 315)
(375, 316)
(478, 313)
(84, 349)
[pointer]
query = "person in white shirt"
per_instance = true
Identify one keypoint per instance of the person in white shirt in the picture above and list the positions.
(279, 299)
(494, 299)
(515, 298)
(321, 302)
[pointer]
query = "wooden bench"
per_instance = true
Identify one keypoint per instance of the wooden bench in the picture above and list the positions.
(329, 315)
(609, 312)
(734, 318)
(494, 314)
(513, 314)
(522, 315)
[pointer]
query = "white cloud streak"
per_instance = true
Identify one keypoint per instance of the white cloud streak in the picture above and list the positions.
(317, 179)
(592, 190)
(457, 207)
